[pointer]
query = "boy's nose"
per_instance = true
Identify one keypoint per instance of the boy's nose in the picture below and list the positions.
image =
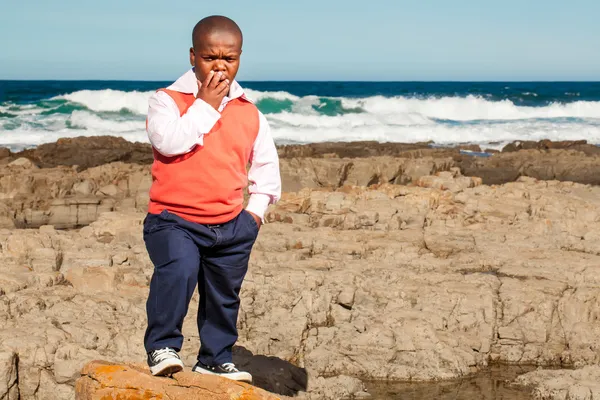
(219, 66)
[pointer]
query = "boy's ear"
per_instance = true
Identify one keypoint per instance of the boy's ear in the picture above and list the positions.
(192, 57)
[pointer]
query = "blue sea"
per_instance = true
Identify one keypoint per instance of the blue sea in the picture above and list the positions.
(490, 114)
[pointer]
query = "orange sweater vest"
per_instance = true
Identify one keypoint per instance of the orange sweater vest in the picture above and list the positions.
(206, 185)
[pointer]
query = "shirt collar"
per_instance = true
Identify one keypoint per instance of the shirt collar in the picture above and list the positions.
(187, 84)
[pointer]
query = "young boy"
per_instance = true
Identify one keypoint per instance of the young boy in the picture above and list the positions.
(204, 132)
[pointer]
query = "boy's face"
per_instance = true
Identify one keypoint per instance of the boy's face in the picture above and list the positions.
(219, 52)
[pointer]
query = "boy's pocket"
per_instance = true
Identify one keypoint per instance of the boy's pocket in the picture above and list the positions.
(251, 222)
(152, 222)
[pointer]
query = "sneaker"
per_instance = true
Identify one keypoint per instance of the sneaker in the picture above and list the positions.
(164, 362)
(227, 370)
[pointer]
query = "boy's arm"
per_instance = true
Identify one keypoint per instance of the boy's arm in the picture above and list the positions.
(264, 176)
(172, 134)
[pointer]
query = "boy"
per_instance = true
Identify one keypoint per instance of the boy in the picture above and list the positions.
(204, 132)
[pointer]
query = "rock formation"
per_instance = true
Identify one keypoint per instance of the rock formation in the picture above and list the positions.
(101, 380)
(83, 177)
(432, 280)
(581, 384)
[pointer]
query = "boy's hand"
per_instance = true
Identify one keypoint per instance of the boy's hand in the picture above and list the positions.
(256, 218)
(213, 89)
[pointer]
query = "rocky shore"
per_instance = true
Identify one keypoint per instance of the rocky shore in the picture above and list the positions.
(381, 262)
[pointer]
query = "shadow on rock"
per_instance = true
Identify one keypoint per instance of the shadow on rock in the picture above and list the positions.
(271, 373)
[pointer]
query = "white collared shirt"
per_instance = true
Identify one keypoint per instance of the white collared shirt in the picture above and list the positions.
(172, 135)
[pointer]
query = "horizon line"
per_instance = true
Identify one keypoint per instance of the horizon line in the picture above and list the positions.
(322, 81)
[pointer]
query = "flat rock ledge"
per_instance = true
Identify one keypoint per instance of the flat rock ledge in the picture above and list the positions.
(579, 384)
(102, 380)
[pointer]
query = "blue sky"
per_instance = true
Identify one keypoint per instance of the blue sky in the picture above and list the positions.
(371, 40)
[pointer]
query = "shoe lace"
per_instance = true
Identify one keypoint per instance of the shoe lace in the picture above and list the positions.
(229, 367)
(163, 354)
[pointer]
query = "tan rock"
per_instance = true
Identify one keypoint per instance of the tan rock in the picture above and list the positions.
(83, 188)
(119, 258)
(47, 229)
(68, 360)
(12, 282)
(53, 390)
(9, 388)
(346, 298)
(386, 282)
(21, 163)
(109, 190)
(101, 380)
(29, 193)
(77, 259)
(580, 384)
(339, 387)
(45, 259)
(448, 181)
(92, 279)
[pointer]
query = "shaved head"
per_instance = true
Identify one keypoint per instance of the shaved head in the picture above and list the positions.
(215, 24)
(216, 48)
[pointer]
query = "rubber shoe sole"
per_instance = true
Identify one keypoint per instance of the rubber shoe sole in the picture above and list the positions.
(234, 376)
(167, 367)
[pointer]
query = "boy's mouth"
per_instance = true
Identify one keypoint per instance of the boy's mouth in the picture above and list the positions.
(223, 77)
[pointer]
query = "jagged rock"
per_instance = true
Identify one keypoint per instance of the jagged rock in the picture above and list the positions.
(109, 190)
(45, 259)
(66, 198)
(21, 162)
(581, 384)
(346, 298)
(448, 180)
(6, 217)
(102, 380)
(563, 165)
(4, 153)
(386, 282)
(580, 145)
(338, 387)
(92, 279)
(349, 149)
(82, 188)
(9, 389)
(87, 152)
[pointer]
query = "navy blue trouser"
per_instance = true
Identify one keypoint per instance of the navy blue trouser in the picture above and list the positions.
(185, 254)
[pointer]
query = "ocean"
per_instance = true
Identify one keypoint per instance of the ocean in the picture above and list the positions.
(490, 114)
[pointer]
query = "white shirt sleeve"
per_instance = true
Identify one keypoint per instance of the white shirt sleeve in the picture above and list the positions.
(171, 134)
(264, 175)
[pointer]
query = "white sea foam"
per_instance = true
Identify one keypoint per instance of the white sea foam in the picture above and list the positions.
(110, 100)
(448, 108)
(473, 108)
(444, 120)
(256, 95)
